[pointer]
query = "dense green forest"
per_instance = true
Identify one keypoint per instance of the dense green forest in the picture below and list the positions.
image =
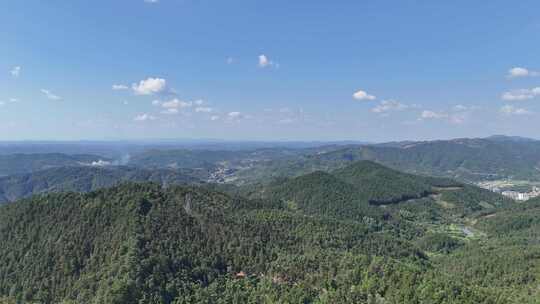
(85, 179)
(468, 160)
(312, 239)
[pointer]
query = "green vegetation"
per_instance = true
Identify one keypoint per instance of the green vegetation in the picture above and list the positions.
(469, 160)
(360, 234)
(381, 185)
(464, 159)
(24, 163)
(85, 179)
(349, 192)
(182, 158)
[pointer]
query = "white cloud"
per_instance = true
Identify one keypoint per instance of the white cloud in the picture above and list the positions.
(149, 86)
(119, 87)
(389, 105)
(15, 71)
(265, 62)
(144, 117)
(203, 109)
(363, 95)
(214, 117)
(170, 111)
(521, 72)
(235, 116)
(11, 100)
(456, 115)
(516, 95)
(50, 95)
(460, 108)
(511, 110)
(426, 114)
(176, 104)
(125, 102)
(521, 94)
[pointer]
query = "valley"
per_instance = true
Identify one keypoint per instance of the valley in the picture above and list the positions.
(196, 227)
(276, 152)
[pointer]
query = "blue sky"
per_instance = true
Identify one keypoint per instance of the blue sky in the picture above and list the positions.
(272, 70)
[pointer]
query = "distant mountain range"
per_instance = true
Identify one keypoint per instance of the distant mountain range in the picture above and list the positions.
(463, 159)
(24, 163)
(85, 179)
(467, 160)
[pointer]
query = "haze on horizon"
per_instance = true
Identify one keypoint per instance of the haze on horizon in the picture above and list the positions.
(306, 71)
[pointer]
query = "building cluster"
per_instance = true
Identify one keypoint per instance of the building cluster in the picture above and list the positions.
(522, 196)
(222, 175)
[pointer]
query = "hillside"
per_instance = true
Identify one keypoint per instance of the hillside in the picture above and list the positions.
(347, 192)
(198, 158)
(319, 193)
(141, 243)
(84, 179)
(136, 242)
(464, 159)
(24, 163)
(467, 160)
(381, 185)
(365, 190)
(181, 158)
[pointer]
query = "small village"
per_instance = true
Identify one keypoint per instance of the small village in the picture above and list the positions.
(506, 188)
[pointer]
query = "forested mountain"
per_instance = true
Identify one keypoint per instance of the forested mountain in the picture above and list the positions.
(85, 179)
(349, 192)
(24, 163)
(140, 243)
(465, 159)
(468, 160)
(186, 158)
(346, 192)
(360, 233)
(381, 185)
(181, 158)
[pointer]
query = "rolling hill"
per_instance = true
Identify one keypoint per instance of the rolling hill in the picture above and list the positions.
(24, 163)
(141, 243)
(354, 192)
(352, 235)
(467, 160)
(463, 159)
(133, 243)
(84, 179)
